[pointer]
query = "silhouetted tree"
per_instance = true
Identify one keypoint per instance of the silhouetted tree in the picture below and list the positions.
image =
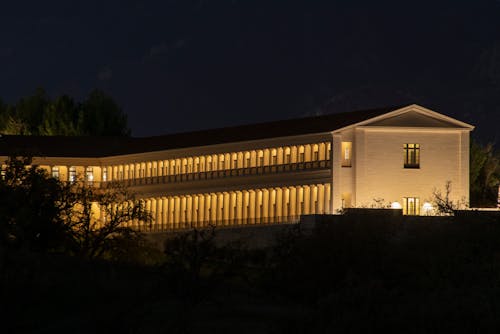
(60, 117)
(100, 115)
(98, 236)
(41, 214)
(97, 115)
(32, 207)
(484, 174)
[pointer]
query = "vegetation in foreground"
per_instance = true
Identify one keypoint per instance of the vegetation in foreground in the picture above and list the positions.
(351, 276)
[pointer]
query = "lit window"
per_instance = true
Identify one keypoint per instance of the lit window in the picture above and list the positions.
(411, 206)
(105, 174)
(346, 153)
(411, 155)
(72, 174)
(89, 174)
(55, 172)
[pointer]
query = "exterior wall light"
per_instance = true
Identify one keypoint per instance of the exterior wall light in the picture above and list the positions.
(396, 205)
(427, 209)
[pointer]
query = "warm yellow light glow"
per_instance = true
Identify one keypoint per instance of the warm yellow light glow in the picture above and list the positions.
(427, 208)
(396, 205)
(346, 153)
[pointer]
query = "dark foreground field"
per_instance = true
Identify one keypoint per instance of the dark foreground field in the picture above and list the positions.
(348, 277)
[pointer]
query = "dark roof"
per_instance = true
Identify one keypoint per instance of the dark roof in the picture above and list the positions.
(59, 146)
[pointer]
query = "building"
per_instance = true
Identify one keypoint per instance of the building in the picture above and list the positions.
(272, 172)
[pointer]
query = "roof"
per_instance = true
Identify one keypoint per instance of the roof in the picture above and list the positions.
(89, 146)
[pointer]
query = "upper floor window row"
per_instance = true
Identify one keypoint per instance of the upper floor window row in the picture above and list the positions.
(215, 162)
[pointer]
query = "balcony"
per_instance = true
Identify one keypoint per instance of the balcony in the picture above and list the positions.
(221, 174)
(220, 223)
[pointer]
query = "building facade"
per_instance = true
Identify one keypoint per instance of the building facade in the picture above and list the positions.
(271, 172)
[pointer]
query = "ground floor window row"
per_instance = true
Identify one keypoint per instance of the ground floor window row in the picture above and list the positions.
(253, 206)
(412, 207)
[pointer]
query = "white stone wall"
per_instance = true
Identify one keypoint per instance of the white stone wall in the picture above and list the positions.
(378, 171)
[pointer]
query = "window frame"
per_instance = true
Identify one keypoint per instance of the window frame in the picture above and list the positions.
(411, 158)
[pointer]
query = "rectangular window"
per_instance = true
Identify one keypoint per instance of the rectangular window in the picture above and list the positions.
(89, 174)
(105, 174)
(55, 172)
(346, 153)
(411, 206)
(411, 155)
(72, 174)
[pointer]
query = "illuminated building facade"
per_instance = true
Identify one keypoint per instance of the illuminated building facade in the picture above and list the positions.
(271, 172)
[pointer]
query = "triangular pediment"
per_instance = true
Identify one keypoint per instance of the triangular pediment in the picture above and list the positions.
(413, 116)
(413, 119)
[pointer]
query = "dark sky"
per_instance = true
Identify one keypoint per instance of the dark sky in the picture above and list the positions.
(185, 65)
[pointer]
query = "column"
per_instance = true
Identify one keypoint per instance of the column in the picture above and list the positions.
(226, 216)
(307, 200)
(239, 206)
(320, 199)
(293, 202)
(272, 205)
(164, 212)
(154, 215)
(171, 212)
(246, 207)
(177, 211)
(265, 204)
(279, 204)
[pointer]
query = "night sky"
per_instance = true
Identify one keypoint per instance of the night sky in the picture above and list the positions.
(185, 65)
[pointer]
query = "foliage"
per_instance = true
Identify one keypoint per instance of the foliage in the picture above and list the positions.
(42, 214)
(188, 254)
(194, 263)
(38, 114)
(484, 175)
(443, 203)
(103, 236)
(32, 207)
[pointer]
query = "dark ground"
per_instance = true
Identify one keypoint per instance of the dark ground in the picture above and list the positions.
(361, 275)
